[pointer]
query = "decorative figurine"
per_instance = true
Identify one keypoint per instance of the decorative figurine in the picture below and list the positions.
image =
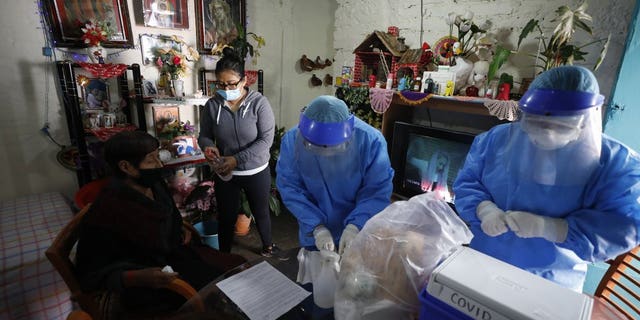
(448, 91)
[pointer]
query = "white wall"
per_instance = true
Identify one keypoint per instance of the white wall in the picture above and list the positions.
(28, 161)
(355, 19)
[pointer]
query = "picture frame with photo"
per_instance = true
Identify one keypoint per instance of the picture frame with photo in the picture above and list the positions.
(218, 22)
(211, 87)
(96, 94)
(170, 14)
(149, 43)
(67, 16)
(163, 116)
(149, 88)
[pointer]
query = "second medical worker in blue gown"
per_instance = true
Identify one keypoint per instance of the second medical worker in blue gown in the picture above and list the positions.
(334, 174)
(550, 192)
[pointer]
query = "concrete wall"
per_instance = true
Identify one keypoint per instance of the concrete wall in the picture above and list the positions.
(355, 19)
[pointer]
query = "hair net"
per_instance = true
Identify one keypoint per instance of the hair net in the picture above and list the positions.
(326, 123)
(568, 78)
(327, 109)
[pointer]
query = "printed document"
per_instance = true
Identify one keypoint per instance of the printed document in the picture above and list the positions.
(262, 292)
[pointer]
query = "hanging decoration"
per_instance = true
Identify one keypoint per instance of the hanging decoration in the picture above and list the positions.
(380, 99)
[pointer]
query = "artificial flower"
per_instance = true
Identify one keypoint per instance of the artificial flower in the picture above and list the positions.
(173, 61)
(95, 32)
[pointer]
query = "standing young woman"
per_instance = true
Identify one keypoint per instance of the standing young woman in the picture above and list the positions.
(236, 131)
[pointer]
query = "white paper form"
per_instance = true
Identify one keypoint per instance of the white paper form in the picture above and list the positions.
(262, 292)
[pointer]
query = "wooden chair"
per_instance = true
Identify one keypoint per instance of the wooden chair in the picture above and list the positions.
(620, 285)
(59, 255)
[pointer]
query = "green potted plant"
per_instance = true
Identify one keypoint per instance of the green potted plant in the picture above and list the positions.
(242, 46)
(558, 50)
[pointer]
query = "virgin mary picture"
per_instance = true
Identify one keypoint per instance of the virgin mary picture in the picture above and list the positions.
(219, 25)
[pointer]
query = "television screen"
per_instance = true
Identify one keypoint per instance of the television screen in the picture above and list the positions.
(427, 159)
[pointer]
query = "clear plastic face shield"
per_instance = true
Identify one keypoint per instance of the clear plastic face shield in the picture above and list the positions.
(325, 138)
(557, 141)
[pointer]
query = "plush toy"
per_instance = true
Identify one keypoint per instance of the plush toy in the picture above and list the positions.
(462, 69)
(478, 76)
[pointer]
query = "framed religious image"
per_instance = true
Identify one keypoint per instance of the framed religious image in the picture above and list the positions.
(96, 94)
(67, 17)
(218, 22)
(166, 14)
(163, 116)
(149, 88)
(150, 43)
(211, 87)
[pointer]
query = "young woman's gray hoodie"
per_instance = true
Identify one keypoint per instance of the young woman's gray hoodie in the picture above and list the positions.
(246, 134)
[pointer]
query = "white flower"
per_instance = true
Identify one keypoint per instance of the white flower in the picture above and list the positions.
(451, 18)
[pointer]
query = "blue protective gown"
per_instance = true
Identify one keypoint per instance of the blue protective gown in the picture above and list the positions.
(334, 191)
(603, 215)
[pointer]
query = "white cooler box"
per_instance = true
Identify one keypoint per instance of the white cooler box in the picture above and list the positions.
(485, 288)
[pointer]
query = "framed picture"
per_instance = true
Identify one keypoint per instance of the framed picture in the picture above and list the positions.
(211, 87)
(166, 14)
(218, 22)
(149, 43)
(96, 94)
(163, 116)
(149, 88)
(67, 17)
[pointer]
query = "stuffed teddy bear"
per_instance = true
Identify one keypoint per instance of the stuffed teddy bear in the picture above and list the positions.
(478, 76)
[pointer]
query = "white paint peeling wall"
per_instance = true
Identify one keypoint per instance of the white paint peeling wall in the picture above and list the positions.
(355, 19)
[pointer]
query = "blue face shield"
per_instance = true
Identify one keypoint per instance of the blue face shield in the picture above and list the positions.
(326, 138)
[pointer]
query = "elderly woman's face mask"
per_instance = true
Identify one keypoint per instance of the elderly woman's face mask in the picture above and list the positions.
(550, 133)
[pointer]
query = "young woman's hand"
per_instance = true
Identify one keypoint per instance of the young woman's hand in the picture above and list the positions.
(226, 165)
(211, 153)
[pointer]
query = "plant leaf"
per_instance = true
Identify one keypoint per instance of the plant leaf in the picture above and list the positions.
(526, 30)
(274, 205)
(603, 53)
(499, 59)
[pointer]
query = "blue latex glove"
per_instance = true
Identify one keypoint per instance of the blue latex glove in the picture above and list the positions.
(528, 225)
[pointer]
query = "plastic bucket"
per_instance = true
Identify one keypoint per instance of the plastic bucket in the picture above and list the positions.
(209, 232)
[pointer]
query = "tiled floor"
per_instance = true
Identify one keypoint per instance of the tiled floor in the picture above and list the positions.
(284, 232)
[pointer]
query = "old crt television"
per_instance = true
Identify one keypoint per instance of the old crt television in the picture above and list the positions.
(427, 159)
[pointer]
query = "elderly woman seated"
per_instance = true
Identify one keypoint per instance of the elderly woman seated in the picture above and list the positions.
(133, 230)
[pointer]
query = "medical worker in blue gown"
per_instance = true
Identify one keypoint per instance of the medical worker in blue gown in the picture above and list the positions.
(550, 192)
(333, 174)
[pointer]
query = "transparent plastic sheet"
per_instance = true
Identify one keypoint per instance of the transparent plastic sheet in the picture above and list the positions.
(391, 259)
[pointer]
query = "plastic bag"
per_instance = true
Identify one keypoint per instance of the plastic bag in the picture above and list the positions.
(391, 259)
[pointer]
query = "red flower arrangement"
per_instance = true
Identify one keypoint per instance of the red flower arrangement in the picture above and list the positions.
(173, 61)
(93, 34)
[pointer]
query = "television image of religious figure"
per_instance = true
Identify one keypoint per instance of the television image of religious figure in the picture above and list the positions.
(432, 165)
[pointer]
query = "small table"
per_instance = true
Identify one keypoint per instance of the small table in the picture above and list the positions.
(216, 303)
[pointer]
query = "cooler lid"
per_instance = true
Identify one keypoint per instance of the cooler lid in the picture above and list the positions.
(506, 289)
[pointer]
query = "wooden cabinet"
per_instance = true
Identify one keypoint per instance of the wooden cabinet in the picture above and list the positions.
(462, 114)
(128, 91)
